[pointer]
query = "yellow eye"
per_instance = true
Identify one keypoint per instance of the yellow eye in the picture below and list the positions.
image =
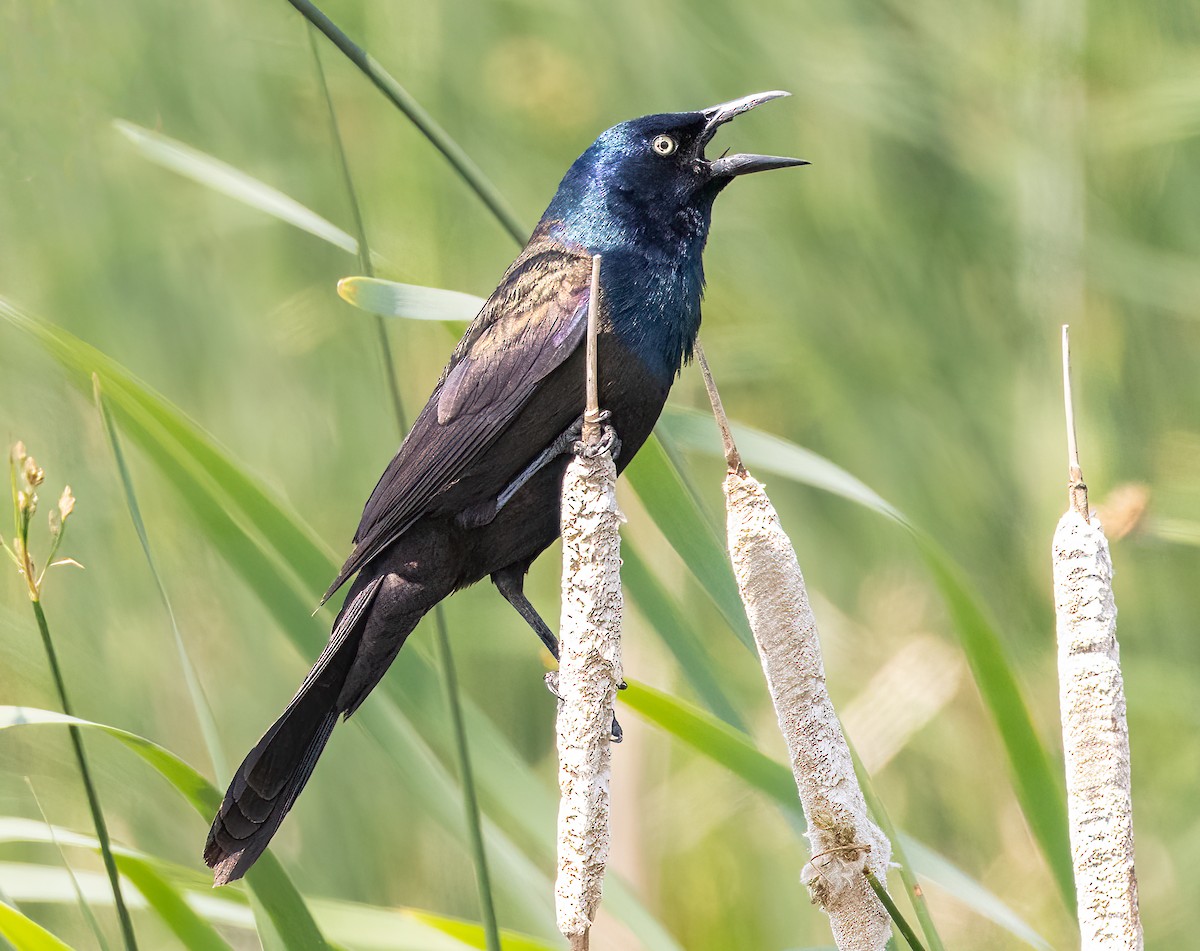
(664, 145)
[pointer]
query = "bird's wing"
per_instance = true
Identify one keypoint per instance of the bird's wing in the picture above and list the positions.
(533, 321)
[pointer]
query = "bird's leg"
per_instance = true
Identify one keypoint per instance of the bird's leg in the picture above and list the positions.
(483, 513)
(564, 441)
(510, 582)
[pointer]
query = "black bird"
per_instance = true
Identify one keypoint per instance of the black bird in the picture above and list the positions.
(474, 489)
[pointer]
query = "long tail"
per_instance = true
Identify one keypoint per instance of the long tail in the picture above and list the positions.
(275, 771)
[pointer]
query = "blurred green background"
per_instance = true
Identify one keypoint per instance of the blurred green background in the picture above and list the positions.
(982, 173)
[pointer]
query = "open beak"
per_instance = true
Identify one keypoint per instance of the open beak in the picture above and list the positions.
(727, 166)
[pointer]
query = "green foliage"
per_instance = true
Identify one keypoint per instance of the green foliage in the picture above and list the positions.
(25, 934)
(268, 881)
(389, 299)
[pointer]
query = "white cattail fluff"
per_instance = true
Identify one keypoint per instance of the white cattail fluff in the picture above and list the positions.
(845, 841)
(1095, 737)
(589, 671)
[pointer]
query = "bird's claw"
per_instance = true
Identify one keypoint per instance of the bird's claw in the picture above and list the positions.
(608, 442)
(615, 733)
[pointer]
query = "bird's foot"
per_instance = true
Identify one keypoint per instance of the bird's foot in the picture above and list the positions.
(608, 442)
(615, 733)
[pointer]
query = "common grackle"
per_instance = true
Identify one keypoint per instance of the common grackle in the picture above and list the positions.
(474, 489)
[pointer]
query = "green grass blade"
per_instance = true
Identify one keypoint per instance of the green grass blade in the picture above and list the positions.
(350, 925)
(25, 934)
(360, 228)
(737, 753)
(347, 923)
(695, 430)
(719, 741)
(211, 172)
(84, 907)
(669, 622)
(411, 301)
(954, 881)
(908, 875)
(360, 232)
(267, 878)
(199, 793)
(673, 506)
(193, 932)
(191, 448)
(1037, 784)
(399, 96)
(471, 934)
(200, 703)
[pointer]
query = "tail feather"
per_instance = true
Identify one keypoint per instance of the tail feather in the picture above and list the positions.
(275, 771)
(246, 821)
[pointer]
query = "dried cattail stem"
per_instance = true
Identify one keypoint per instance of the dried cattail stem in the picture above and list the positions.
(588, 675)
(1095, 732)
(846, 843)
(591, 413)
(1077, 488)
(733, 459)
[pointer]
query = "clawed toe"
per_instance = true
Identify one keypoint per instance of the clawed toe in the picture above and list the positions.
(615, 733)
(608, 442)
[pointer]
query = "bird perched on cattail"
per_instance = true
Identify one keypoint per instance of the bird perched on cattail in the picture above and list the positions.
(474, 489)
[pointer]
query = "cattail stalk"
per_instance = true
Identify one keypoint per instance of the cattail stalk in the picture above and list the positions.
(846, 844)
(1095, 733)
(589, 664)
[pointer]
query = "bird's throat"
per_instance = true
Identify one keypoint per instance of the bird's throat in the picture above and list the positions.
(653, 305)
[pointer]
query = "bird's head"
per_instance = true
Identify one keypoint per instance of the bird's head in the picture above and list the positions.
(651, 173)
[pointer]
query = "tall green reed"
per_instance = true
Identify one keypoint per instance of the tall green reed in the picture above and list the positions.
(26, 477)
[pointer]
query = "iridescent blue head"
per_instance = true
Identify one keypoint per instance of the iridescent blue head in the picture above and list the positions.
(648, 178)
(642, 197)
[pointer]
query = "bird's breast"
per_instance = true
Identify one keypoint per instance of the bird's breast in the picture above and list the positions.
(652, 303)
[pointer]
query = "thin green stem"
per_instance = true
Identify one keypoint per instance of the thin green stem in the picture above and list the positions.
(11, 554)
(110, 865)
(491, 928)
(905, 928)
(200, 703)
(399, 96)
(911, 886)
(84, 907)
(360, 232)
